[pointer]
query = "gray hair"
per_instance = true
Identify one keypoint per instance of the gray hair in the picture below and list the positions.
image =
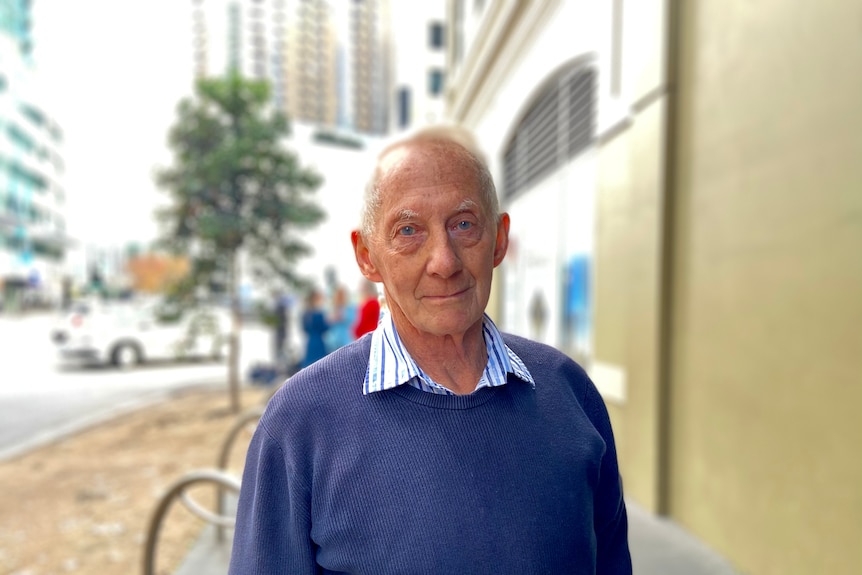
(439, 133)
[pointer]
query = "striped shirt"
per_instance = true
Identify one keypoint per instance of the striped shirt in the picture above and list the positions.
(390, 364)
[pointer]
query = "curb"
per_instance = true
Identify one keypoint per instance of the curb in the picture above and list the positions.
(56, 433)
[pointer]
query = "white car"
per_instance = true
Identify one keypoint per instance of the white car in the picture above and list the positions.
(127, 334)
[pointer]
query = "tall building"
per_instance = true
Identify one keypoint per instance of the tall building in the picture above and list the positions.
(32, 225)
(328, 61)
(369, 51)
(310, 74)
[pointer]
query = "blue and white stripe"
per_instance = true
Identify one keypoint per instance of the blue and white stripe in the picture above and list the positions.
(390, 364)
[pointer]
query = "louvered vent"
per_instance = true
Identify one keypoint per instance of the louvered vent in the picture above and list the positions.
(559, 125)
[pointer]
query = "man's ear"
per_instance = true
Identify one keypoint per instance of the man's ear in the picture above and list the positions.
(363, 257)
(501, 244)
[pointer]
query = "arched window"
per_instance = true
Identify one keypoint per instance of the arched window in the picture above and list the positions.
(558, 126)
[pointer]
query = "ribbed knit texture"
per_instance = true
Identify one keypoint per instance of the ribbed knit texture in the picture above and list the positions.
(508, 479)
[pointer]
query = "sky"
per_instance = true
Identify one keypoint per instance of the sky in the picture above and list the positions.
(112, 73)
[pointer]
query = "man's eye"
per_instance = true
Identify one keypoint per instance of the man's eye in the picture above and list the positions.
(406, 231)
(464, 225)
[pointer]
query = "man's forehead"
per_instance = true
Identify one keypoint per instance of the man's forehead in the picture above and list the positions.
(421, 161)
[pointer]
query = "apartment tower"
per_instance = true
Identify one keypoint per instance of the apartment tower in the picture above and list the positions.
(328, 62)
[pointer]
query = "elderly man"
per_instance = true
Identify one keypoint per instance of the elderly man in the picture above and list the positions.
(435, 444)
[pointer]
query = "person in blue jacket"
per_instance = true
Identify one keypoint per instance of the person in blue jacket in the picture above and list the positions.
(341, 317)
(434, 444)
(315, 326)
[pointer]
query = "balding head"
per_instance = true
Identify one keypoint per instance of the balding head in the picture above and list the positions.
(452, 144)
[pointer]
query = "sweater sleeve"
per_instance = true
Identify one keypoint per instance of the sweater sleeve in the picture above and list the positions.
(611, 522)
(273, 517)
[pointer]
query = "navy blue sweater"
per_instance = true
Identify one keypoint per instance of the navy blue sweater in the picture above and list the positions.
(509, 479)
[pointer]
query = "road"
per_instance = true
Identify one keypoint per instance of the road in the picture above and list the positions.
(41, 400)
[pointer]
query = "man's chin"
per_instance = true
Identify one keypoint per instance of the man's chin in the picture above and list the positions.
(452, 327)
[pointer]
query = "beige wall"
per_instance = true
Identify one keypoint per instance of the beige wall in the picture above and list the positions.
(767, 331)
(628, 248)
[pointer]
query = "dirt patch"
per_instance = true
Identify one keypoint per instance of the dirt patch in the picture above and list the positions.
(82, 505)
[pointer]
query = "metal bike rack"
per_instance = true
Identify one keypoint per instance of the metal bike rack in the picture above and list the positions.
(223, 481)
(243, 420)
(178, 490)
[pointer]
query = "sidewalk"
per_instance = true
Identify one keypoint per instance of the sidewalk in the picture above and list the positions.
(208, 556)
(658, 547)
(661, 547)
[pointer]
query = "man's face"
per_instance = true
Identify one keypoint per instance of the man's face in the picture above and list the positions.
(434, 245)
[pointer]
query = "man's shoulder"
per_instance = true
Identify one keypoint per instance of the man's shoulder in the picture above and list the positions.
(333, 370)
(327, 383)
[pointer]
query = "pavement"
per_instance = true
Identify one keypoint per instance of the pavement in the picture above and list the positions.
(658, 547)
(208, 556)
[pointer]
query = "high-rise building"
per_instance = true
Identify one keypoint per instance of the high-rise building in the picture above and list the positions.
(32, 225)
(310, 73)
(369, 53)
(234, 35)
(328, 62)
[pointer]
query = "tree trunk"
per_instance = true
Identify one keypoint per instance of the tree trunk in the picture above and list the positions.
(236, 330)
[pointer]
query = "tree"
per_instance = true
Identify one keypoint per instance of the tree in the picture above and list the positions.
(234, 187)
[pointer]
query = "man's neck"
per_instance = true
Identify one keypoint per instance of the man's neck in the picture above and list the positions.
(454, 361)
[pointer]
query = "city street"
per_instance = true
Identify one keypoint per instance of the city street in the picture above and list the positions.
(41, 399)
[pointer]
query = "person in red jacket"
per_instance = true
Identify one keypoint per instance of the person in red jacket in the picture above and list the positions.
(369, 310)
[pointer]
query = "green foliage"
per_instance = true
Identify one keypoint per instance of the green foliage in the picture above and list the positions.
(234, 185)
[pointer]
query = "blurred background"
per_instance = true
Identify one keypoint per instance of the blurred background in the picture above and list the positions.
(684, 179)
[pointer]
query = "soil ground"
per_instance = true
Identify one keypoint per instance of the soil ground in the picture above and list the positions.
(83, 505)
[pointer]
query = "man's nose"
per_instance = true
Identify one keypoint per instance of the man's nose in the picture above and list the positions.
(443, 259)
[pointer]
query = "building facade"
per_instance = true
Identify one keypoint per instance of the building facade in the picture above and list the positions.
(32, 224)
(419, 64)
(683, 180)
(328, 62)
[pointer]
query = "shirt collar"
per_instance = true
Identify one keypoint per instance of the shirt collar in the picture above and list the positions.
(390, 364)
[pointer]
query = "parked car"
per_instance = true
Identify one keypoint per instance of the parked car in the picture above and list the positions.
(130, 333)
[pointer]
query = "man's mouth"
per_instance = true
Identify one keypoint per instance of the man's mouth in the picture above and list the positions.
(446, 296)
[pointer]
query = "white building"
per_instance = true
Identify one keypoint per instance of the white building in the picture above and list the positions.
(529, 78)
(345, 171)
(32, 224)
(419, 64)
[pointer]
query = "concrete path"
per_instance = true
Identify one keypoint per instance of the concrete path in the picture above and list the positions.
(208, 556)
(661, 547)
